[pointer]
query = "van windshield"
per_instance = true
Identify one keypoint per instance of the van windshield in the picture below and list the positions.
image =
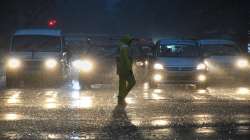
(220, 50)
(178, 51)
(36, 43)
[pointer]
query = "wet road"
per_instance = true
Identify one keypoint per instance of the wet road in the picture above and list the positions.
(180, 113)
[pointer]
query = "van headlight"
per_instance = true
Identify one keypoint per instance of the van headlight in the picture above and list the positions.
(158, 66)
(13, 63)
(83, 65)
(51, 63)
(242, 63)
(157, 77)
(77, 64)
(201, 66)
(202, 78)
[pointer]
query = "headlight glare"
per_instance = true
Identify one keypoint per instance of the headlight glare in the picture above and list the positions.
(202, 78)
(13, 63)
(201, 66)
(157, 77)
(77, 64)
(242, 63)
(83, 65)
(158, 66)
(51, 63)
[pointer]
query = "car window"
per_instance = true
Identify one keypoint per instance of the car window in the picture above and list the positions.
(177, 51)
(220, 50)
(36, 43)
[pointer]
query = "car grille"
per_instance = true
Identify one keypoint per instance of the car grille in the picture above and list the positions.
(180, 68)
(32, 65)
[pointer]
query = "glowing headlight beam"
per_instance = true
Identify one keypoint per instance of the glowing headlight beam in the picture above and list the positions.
(13, 63)
(158, 66)
(77, 64)
(201, 66)
(242, 63)
(50, 63)
(83, 65)
(202, 78)
(157, 77)
(87, 66)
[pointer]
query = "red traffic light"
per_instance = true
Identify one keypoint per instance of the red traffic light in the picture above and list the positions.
(52, 23)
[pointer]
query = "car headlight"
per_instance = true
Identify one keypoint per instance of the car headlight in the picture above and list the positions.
(139, 63)
(157, 77)
(201, 66)
(51, 63)
(13, 63)
(83, 65)
(202, 78)
(158, 66)
(77, 64)
(242, 63)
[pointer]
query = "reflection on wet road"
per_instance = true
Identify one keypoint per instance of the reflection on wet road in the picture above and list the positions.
(170, 112)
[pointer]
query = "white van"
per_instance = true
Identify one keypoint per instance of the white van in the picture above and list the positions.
(36, 54)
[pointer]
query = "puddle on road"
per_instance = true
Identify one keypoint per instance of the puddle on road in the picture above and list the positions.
(205, 130)
(12, 117)
(83, 102)
(202, 118)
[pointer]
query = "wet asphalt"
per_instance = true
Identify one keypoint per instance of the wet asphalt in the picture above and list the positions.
(168, 112)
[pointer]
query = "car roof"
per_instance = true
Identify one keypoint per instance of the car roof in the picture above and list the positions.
(177, 41)
(44, 32)
(216, 42)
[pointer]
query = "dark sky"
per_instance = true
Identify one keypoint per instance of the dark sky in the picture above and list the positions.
(139, 17)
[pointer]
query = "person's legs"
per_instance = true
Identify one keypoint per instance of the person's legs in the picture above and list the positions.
(122, 89)
(131, 82)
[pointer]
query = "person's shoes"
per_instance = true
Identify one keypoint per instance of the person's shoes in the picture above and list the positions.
(122, 102)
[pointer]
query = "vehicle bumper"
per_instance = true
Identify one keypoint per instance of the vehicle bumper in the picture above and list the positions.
(98, 77)
(31, 74)
(179, 77)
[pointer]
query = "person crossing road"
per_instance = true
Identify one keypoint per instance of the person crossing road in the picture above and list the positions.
(124, 69)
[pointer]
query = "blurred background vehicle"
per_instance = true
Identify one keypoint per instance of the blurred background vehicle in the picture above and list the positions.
(225, 60)
(94, 58)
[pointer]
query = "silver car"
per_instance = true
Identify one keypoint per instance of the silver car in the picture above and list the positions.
(177, 61)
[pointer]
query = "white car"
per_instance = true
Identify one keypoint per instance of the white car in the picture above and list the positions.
(177, 61)
(224, 59)
(36, 53)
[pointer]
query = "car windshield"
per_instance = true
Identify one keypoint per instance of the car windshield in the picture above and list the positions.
(102, 51)
(220, 50)
(36, 43)
(177, 51)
